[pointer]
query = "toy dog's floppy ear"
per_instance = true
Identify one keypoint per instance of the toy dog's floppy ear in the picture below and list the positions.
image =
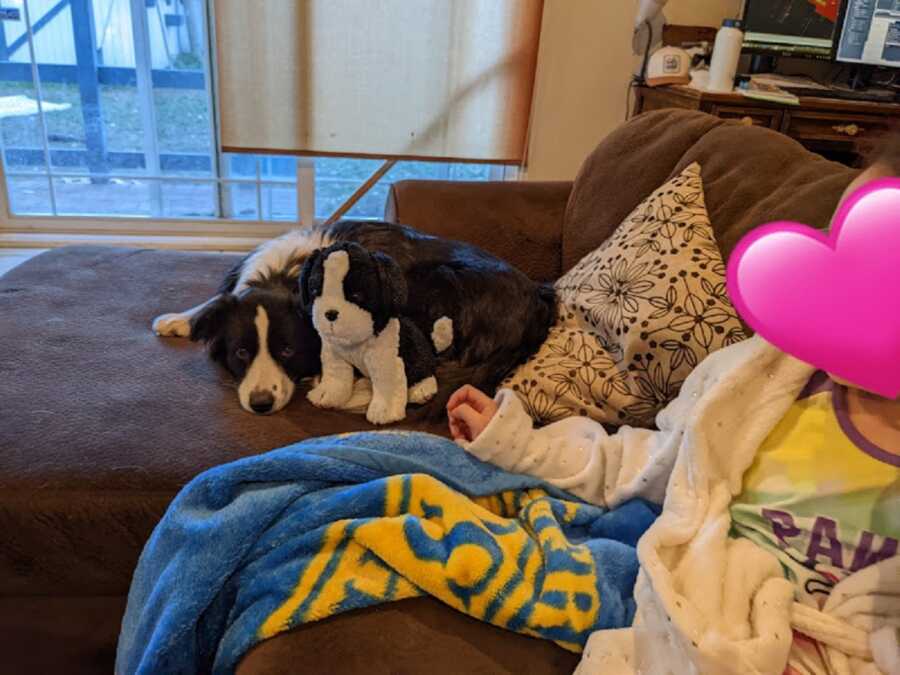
(310, 281)
(207, 323)
(392, 282)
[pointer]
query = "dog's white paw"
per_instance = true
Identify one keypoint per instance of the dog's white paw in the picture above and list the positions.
(423, 391)
(172, 325)
(329, 396)
(442, 334)
(382, 411)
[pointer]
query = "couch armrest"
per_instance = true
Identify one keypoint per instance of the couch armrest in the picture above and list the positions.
(520, 222)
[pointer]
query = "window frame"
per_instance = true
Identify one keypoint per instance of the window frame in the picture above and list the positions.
(222, 233)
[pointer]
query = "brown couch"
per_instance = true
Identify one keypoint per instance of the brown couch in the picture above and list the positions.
(101, 422)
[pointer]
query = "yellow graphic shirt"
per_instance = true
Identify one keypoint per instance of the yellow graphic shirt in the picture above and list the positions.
(821, 496)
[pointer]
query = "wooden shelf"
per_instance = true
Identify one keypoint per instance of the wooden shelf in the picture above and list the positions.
(831, 127)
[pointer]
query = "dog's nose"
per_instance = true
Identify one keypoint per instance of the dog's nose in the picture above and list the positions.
(331, 315)
(261, 402)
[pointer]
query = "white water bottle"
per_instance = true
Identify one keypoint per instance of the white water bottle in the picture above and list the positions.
(726, 52)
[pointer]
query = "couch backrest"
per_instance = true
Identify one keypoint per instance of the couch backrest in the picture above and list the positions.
(750, 175)
(517, 221)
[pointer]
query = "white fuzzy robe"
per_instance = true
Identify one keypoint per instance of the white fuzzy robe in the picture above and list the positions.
(707, 603)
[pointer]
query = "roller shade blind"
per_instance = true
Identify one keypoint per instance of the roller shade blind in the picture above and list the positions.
(433, 79)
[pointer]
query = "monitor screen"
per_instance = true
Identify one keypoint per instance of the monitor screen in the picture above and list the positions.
(791, 27)
(870, 33)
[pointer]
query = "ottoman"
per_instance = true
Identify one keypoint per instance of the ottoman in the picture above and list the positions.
(101, 423)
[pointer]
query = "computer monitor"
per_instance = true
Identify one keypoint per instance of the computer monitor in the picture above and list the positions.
(802, 28)
(869, 33)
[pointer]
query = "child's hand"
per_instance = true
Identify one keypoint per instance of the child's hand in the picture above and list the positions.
(469, 412)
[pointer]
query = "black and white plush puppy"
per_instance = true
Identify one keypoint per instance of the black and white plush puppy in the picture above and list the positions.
(355, 297)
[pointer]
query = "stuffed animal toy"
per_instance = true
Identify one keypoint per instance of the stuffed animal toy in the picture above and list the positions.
(355, 297)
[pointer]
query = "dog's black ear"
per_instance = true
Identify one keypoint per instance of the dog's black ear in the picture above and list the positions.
(393, 283)
(310, 281)
(207, 323)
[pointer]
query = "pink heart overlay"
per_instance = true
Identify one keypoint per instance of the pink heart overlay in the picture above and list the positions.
(829, 299)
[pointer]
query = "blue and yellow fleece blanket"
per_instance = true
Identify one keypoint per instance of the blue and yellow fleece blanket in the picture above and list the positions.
(253, 548)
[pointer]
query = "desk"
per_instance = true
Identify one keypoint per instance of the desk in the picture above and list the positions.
(834, 128)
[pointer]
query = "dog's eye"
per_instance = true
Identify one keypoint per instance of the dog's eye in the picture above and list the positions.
(356, 298)
(242, 354)
(287, 353)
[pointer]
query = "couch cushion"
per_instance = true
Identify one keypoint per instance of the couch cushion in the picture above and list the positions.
(419, 635)
(751, 175)
(75, 636)
(102, 422)
(636, 315)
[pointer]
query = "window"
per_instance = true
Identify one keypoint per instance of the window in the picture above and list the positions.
(106, 110)
(334, 179)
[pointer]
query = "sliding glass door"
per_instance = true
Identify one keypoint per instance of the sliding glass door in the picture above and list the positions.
(106, 109)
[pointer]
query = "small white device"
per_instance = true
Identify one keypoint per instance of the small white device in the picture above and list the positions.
(726, 52)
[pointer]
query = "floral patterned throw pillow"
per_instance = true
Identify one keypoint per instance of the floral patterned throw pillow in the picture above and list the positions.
(635, 316)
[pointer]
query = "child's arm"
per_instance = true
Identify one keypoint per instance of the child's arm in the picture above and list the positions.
(575, 454)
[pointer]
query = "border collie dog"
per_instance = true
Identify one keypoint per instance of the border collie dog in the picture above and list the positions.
(257, 328)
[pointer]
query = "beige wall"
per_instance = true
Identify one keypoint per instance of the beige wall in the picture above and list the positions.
(701, 12)
(584, 66)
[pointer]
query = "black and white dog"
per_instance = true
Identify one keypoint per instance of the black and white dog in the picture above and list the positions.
(257, 328)
(355, 298)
